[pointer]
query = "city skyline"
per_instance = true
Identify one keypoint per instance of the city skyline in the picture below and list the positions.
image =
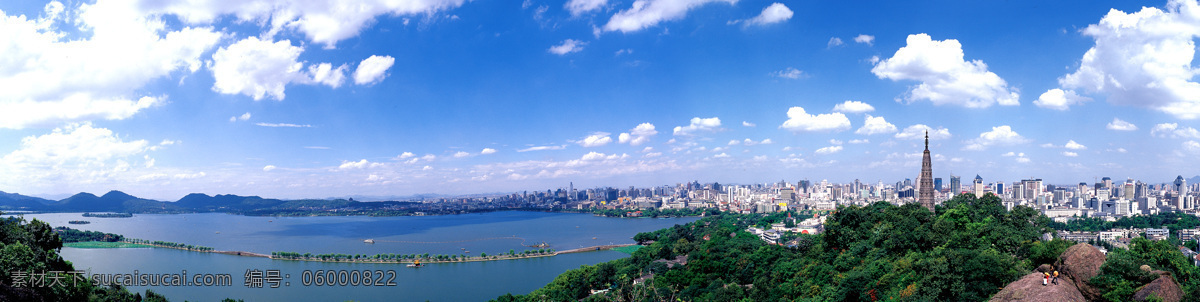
(453, 97)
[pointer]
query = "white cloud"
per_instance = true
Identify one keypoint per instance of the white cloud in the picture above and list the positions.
(945, 77)
(1119, 125)
(859, 141)
(799, 120)
(774, 13)
(373, 69)
(461, 154)
(362, 164)
(541, 148)
(1011, 154)
(1059, 99)
(748, 124)
(259, 68)
(698, 124)
(865, 39)
(72, 155)
(853, 107)
(596, 139)
(286, 125)
(579, 7)
(244, 116)
(788, 73)
(1144, 59)
(321, 21)
(1023, 160)
(567, 46)
(829, 150)
(646, 13)
(766, 141)
(876, 125)
(268, 168)
(638, 135)
(1000, 135)
(406, 155)
(918, 132)
(1071, 144)
(487, 151)
(722, 155)
(1191, 146)
(426, 168)
(1070, 154)
(50, 78)
(834, 42)
(1172, 130)
(834, 142)
(325, 74)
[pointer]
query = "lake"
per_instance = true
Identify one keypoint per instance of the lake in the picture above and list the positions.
(466, 234)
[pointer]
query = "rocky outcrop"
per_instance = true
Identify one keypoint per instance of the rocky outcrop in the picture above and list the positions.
(1164, 287)
(1029, 288)
(1080, 263)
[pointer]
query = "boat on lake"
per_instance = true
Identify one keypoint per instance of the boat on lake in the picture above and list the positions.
(372, 241)
(415, 264)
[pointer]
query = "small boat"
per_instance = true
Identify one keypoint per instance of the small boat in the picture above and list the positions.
(218, 232)
(415, 264)
(372, 241)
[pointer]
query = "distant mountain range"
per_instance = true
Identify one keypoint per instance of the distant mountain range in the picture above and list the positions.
(117, 201)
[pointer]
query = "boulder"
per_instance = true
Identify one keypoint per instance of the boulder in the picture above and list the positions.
(1080, 263)
(1029, 288)
(1164, 287)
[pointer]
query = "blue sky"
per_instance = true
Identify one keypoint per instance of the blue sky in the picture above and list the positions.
(298, 99)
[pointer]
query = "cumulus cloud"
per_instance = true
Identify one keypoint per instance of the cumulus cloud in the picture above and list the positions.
(829, 150)
(834, 42)
(461, 154)
(1191, 146)
(1119, 125)
(259, 68)
(698, 124)
(579, 7)
(1172, 130)
(268, 168)
(748, 124)
(487, 151)
(876, 125)
(541, 148)
(859, 141)
(799, 120)
(1144, 59)
(788, 73)
(865, 39)
(1071, 144)
(244, 116)
(853, 107)
(567, 46)
(647, 13)
(918, 132)
(1000, 135)
(1059, 99)
(596, 139)
(722, 155)
(946, 79)
(73, 154)
(1070, 154)
(406, 155)
(321, 21)
(373, 69)
(361, 164)
(638, 135)
(774, 13)
(50, 79)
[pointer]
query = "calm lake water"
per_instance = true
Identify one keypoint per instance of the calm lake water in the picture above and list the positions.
(492, 233)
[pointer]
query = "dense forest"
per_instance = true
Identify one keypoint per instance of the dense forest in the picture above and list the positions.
(967, 251)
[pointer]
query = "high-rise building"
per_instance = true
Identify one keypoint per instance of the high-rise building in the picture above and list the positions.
(978, 186)
(1033, 187)
(1180, 185)
(937, 184)
(1129, 189)
(955, 185)
(1108, 184)
(925, 181)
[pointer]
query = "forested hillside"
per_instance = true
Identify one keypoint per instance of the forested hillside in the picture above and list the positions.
(967, 251)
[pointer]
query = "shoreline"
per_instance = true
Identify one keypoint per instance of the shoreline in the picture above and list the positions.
(500, 257)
